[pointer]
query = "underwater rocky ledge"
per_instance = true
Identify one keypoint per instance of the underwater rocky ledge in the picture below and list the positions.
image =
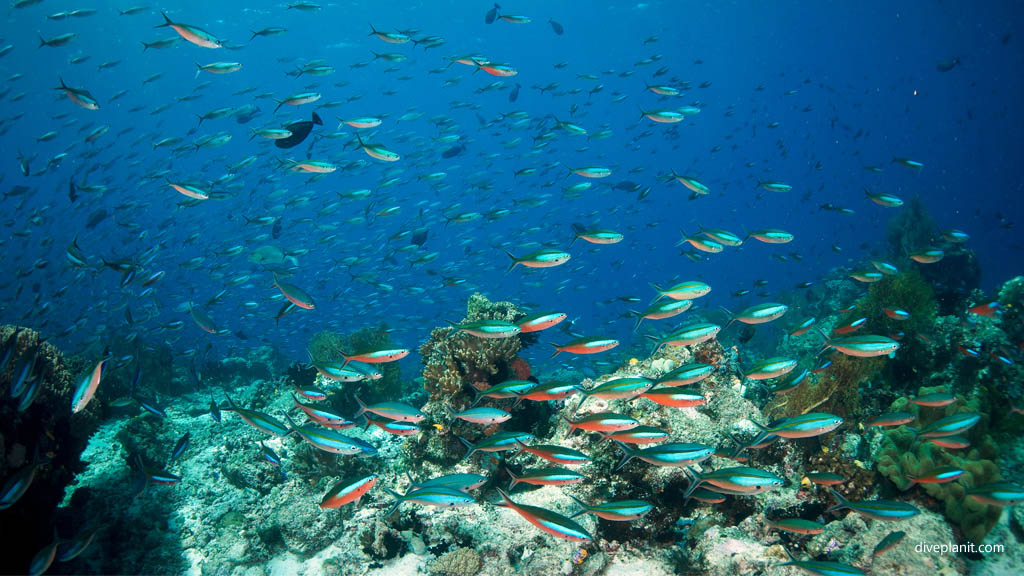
(225, 508)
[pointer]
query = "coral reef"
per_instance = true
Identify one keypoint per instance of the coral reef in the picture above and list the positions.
(456, 363)
(328, 347)
(47, 430)
(902, 453)
(234, 512)
(836, 390)
(1011, 302)
(459, 562)
(954, 276)
(912, 228)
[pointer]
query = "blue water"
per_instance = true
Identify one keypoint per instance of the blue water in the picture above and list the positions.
(867, 89)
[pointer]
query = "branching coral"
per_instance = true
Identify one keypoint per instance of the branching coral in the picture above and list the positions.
(834, 391)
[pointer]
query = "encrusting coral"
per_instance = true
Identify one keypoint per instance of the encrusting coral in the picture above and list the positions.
(458, 562)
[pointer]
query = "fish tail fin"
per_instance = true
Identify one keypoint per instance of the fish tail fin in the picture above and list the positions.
(362, 406)
(470, 449)
(514, 262)
(398, 501)
(580, 503)
(42, 41)
(843, 502)
(316, 119)
(279, 104)
(911, 484)
(572, 425)
(628, 455)
(515, 480)
(450, 412)
(639, 319)
(477, 399)
(685, 237)
(505, 500)
(558, 349)
(729, 314)
(661, 293)
(584, 395)
(656, 341)
(826, 341)
(372, 29)
(167, 21)
(291, 423)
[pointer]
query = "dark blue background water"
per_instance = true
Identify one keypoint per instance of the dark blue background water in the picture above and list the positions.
(866, 74)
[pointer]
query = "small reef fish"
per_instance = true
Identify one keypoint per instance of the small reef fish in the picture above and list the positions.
(551, 522)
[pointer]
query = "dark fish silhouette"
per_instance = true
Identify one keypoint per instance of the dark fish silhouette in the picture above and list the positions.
(17, 190)
(299, 132)
(72, 191)
(492, 14)
(419, 237)
(514, 95)
(246, 113)
(95, 218)
(451, 152)
(947, 65)
(556, 27)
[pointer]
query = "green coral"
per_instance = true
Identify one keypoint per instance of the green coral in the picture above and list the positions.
(908, 291)
(911, 229)
(1011, 303)
(328, 346)
(903, 453)
(324, 346)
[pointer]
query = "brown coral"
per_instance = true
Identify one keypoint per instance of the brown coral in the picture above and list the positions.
(453, 361)
(834, 391)
(458, 562)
